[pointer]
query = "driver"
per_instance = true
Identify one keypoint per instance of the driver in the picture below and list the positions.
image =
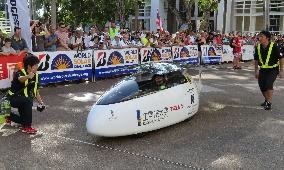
(160, 82)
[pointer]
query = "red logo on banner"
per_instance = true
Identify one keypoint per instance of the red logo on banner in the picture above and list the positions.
(8, 64)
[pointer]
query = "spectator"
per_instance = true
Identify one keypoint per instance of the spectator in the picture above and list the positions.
(237, 50)
(39, 34)
(7, 49)
(125, 41)
(62, 38)
(87, 40)
(136, 41)
(113, 31)
(146, 40)
(52, 40)
(94, 42)
(18, 43)
(116, 43)
(209, 39)
(1, 39)
(226, 40)
(156, 42)
(217, 39)
(77, 41)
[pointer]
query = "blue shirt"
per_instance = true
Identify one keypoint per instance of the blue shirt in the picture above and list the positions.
(53, 46)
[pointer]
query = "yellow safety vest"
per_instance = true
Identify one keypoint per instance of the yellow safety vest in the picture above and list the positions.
(268, 57)
(145, 42)
(113, 32)
(26, 85)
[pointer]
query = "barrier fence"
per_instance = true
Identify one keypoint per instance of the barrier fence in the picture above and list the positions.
(72, 65)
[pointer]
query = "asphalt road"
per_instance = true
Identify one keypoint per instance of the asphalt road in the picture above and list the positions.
(230, 131)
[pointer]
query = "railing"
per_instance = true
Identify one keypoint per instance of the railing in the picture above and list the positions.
(5, 25)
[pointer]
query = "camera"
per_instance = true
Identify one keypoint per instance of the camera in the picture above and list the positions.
(40, 108)
(39, 24)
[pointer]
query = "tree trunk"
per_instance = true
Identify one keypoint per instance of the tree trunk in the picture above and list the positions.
(53, 13)
(136, 16)
(204, 25)
(175, 12)
(224, 16)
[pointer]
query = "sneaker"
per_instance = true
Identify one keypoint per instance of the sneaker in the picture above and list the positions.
(268, 106)
(29, 130)
(264, 103)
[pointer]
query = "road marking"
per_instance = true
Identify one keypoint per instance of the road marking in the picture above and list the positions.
(153, 158)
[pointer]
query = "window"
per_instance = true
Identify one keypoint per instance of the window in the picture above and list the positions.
(122, 91)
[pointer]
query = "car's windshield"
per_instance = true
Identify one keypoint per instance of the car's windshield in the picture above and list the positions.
(124, 90)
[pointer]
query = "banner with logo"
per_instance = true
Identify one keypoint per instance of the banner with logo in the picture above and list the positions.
(64, 66)
(186, 54)
(156, 54)
(116, 61)
(7, 68)
(227, 54)
(211, 54)
(248, 52)
(19, 15)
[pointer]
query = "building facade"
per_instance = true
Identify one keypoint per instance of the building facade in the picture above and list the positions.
(241, 15)
(249, 15)
(148, 16)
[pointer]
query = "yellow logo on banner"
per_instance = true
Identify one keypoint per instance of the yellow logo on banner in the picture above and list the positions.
(62, 61)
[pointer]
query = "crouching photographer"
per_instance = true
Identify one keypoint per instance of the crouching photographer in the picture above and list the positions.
(23, 90)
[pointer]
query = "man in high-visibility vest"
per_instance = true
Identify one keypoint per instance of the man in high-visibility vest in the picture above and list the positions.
(113, 31)
(22, 92)
(268, 58)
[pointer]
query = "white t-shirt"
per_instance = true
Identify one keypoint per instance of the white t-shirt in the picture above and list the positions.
(116, 44)
(87, 40)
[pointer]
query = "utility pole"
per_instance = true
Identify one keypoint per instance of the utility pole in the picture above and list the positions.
(53, 13)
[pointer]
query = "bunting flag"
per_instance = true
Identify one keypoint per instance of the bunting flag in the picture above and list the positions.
(159, 22)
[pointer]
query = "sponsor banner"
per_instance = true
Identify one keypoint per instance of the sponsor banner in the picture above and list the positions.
(186, 54)
(156, 54)
(116, 61)
(19, 15)
(227, 53)
(8, 64)
(64, 66)
(211, 54)
(248, 52)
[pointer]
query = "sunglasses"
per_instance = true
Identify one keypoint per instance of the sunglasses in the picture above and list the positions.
(62, 27)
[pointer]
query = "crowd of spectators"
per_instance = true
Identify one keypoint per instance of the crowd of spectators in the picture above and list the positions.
(63, 38)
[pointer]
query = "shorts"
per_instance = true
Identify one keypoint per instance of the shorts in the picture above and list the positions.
(237, 55)
(266, 79)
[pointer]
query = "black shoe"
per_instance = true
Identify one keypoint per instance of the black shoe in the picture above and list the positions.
(268, 106)
(264, 103)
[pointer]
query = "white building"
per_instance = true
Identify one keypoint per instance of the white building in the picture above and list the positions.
(248, 16)
(148, 15)
(242, 15)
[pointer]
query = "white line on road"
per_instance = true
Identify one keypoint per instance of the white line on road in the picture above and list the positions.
(153, 158)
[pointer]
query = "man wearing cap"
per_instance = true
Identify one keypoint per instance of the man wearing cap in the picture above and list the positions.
(18, 43)
(267, 56)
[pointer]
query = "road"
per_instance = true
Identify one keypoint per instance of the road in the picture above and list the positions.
(230, 131)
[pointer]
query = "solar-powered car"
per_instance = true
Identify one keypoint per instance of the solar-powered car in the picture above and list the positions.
(158, 95)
